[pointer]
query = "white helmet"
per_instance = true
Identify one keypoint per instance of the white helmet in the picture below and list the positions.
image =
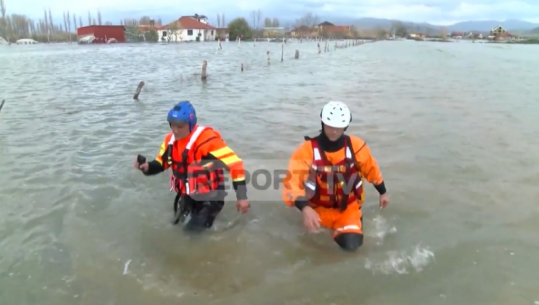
(336, 114)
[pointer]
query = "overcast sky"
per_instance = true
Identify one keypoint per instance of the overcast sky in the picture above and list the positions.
(436, 11)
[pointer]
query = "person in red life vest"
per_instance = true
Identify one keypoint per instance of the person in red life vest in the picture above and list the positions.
(197, 157)
(325, 179)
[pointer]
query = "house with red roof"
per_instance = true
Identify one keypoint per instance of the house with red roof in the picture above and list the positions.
(188, 28)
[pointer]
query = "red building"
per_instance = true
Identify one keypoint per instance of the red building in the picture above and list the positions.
(102, 33)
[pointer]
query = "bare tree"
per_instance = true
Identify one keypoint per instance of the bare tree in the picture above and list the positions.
(443, 33)
(309, 20)
(218, 20)
(99, 20)
(145, 20)
(3, 23)
(65, 22)
(51, 24)
(258, 17)
(69, 23)
(172, 31)
(47, 26)
(253, 18)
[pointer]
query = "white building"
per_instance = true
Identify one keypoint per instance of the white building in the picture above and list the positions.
(26, 41)
(187, 28)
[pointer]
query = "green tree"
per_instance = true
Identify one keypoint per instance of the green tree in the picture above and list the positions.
(151, 36)
(239, 27)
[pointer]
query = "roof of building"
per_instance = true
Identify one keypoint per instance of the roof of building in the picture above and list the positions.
(326, 23)
(175, 25)
(190, 23)
(102, 26)
(197, 16)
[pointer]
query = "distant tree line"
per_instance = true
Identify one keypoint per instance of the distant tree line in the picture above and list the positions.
(305, 26)
(17, 26)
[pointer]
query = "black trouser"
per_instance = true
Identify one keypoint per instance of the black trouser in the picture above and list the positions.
(203, 212)
(350, 241)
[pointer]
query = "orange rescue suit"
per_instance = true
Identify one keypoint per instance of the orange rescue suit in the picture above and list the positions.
(333, 185)
(197, 162)
(337, 204)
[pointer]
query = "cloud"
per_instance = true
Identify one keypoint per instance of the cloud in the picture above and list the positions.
(432, 11)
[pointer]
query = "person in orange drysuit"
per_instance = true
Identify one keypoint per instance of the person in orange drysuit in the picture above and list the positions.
(197, 156)
(325, 179)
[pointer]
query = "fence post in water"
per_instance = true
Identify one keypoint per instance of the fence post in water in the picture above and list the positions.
(268, 57)
(282, 50)
(137, 92)
(203, 75)
(296, 56)
(2, 105)
(242, 67)
(319, 51)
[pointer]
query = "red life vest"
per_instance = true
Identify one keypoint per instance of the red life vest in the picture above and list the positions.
(333, 185)
(189, 176)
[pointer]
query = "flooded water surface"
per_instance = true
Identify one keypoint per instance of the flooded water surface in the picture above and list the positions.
(453, 127)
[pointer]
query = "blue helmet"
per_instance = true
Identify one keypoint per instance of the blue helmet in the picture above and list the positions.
(183, 112)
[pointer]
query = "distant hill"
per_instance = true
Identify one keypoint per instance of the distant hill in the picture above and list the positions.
(483, 26)
(487, 25)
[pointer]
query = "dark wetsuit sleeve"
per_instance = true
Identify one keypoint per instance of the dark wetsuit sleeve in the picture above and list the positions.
(154, 168)
(159, 164)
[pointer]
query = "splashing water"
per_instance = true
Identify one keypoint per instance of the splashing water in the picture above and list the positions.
(402, 262)
(381, 229)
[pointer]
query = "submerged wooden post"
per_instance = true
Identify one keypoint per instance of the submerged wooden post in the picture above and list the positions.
(296, 56)
(203, 75)
(319, 51)
(2, 105)
(282, 50)
(137, 92)
(268, 57)
(242, 67)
